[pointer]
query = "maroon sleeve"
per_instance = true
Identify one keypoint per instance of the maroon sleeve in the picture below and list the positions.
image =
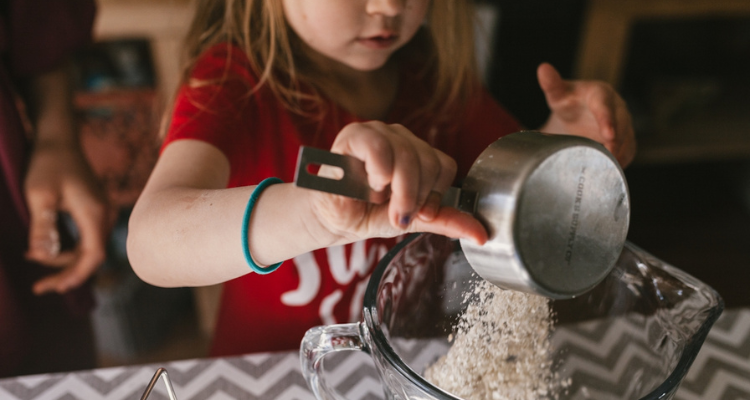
(41, 33)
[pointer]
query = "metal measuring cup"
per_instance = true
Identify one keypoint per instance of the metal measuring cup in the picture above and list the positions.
(556, 207)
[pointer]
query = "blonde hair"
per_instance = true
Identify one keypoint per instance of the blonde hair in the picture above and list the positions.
(444, 48)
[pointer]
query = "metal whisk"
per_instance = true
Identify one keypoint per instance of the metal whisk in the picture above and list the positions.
(161, 372)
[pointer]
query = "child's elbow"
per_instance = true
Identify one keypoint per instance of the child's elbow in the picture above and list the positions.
(138, 250)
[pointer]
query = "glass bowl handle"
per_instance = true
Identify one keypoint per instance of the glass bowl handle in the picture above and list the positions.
(320, 341)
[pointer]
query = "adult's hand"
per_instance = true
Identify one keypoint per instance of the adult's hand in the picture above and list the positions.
(59, 179)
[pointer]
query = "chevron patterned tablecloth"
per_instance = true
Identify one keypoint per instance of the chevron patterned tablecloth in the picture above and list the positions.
(720, 372)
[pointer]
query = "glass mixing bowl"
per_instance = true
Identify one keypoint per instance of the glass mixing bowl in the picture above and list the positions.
(634, 336)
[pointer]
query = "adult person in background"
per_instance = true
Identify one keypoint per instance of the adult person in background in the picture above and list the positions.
(44, 302)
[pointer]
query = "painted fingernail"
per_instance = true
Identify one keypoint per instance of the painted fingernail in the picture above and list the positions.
(405, 220)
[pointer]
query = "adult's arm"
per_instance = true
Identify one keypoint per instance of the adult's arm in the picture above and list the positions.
(60, 179)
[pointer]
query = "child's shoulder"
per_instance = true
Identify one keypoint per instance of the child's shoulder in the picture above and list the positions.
(223, 61)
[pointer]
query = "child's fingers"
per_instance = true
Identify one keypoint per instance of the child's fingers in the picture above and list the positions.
(390, 159)
(387, 153)
(367, 142)
(406, 182)
(626, 143)
(602, 104)
(394, 156)
(434, 175)
(432, 165)
(448, 169)
(453, 223)
(615, 123)
(555, 88)
(431, 206)
(574, 102)
(443, 181)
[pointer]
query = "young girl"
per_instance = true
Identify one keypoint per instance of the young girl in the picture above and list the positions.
(391, 82)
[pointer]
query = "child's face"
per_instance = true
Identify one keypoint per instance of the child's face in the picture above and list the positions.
(361, 34)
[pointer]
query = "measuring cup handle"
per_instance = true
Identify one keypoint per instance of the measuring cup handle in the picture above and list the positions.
(354, 181)
(320, 341)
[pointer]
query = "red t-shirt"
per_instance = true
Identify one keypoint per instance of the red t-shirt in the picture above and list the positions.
(261, 138)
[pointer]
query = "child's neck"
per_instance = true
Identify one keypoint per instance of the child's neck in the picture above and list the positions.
(366, 94)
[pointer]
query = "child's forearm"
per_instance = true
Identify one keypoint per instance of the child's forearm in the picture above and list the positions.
(186, 228)
(191, 237)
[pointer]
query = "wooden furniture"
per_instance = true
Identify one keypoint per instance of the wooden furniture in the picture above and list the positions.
(718, 133)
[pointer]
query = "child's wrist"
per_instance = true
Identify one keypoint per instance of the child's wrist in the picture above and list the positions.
(284, 224)
(322, 232)
(260, 268)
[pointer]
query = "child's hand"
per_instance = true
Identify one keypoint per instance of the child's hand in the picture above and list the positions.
(59, 179)
(590, 109)
(414, 174)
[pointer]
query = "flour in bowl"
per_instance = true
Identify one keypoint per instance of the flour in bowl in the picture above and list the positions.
(501, 349)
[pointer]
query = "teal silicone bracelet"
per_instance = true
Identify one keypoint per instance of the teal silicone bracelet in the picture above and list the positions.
(245, 222)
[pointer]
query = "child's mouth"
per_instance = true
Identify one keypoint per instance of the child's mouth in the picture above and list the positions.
(379, 41)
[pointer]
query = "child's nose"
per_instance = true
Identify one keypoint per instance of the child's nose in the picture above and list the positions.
(389, 8)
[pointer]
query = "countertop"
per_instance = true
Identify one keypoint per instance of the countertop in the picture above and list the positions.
(721, 371)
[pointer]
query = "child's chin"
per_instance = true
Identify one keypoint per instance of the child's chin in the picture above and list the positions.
(368, 65)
